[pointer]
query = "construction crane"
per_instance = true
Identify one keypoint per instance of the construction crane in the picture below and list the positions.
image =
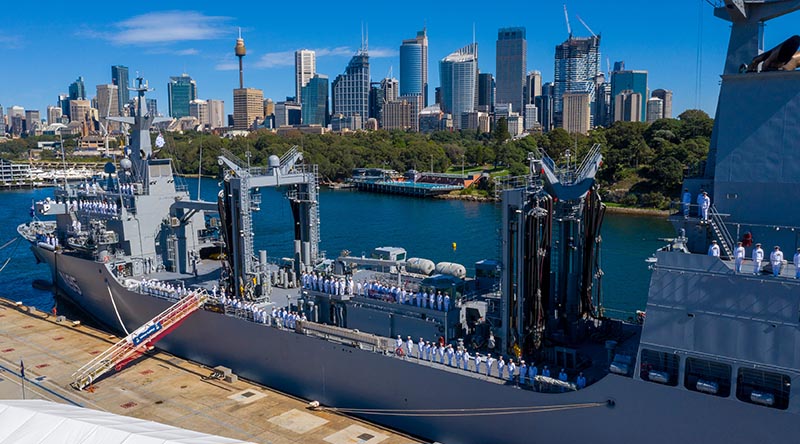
(585, 26)
(566, 18)
(139, 341)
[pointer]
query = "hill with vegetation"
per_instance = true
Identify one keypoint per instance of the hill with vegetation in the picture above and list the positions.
(643, 163)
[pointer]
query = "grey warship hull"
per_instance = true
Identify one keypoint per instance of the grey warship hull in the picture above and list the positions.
(614, 409)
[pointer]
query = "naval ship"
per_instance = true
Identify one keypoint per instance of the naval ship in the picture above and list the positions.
(713, 358)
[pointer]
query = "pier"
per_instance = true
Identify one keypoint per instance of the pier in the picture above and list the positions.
(160, 387)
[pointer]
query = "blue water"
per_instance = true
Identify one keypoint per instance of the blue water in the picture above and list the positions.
(360, 222)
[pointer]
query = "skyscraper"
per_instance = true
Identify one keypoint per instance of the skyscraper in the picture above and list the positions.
(485, 92)
(305, 66)
(351, 90)
(414, 66)
(80, 110)
(152, 107)
(544, 105)
(533, 86)
(628, 106)
(397, 114)
(635, 81)
(119, 77)
(511, 63)
(577, 112)
(655, 109)
(666, 96)
(107, 106)
(315, 101)
(63, 102)
(577, 63)
(458, 73)
(77, 89)
(216, 113)
(180, 91)
(199, 110)
(53, 115)
(2, 122)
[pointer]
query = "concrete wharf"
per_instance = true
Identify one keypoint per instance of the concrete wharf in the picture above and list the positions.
(160, 387)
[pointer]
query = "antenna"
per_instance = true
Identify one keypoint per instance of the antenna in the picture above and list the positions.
(566, 18)
(586, 26)
(608, 67)
(366, 39)
(473, 32)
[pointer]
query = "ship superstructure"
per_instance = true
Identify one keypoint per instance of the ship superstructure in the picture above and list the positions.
(417, 345)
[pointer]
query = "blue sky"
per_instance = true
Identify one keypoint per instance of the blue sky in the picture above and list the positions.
(43, 49)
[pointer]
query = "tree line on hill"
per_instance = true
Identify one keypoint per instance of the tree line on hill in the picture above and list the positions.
(643, 164)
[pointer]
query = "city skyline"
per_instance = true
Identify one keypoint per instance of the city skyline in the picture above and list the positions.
(161, 44)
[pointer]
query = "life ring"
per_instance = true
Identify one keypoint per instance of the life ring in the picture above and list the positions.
(105, 259)
(400, 352)
(120, 268)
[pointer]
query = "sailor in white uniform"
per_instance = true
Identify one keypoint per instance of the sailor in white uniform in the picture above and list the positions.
(512, 370)
(713, 250)
(523, 371)
(409, 345)
(776, 260)
(705, 204)
(420, 348)
(489, 364)
(439, 301)
(501, 367)
(758, 256)
(738, 254)
(466, 360)
(446, 302)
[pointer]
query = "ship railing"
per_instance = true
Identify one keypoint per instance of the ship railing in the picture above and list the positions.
(233, 158)
(721, 230)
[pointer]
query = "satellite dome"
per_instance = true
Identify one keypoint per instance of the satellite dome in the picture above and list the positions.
(274, 161)
(125, 164)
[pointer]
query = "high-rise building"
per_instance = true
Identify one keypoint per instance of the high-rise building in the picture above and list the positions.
(397, 114)
(152, 107)
(107, 106)
(511, 63)
(414, 66)
(486, 86)
(415, 100)
(475, 120)
(390, 88)
(180, 91)
(604, 113)
(628, 106)
(458, 73)
(80, 110)
(54, 114)
(544, 103)
(376, 101)
(248, 107)
(305, 66)
(533, 86)
(666, 96)
(77, 89)
(351, 90)
(32, 120)
(577, 112)
(287, 114)
(199, 110)
(63, 102)
(2, 122)
(216, 113)
(655, 109)
(635, 81)
(119, 77)
(577, 63)
(315, 101)
(531, 116)
(430, 119)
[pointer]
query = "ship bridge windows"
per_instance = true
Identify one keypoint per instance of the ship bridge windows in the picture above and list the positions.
(660, 367)
(709, 377)
(765, 388)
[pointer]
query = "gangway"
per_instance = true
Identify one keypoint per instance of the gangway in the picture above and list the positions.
(138, 341)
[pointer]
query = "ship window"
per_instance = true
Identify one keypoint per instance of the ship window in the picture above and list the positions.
(709, 377)
(763, 388)
(660, 367)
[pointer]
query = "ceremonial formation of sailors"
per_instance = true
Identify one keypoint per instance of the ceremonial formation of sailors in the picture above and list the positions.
(327, 284)
(127, 189)
(49, 239)
(162, 289)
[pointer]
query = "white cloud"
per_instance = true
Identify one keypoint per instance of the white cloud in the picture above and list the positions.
(379, 53)
(286, 58)
(276, 59)
(10, 41)
(186, 52)
(164, 27)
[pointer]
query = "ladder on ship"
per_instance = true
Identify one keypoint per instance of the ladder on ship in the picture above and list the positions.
(138, 341)
(721, 232)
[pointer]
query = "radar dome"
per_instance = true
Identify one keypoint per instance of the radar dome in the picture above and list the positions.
(274, 161)
(125, 164)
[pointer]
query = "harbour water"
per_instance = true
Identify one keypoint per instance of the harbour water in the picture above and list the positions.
(358, 222)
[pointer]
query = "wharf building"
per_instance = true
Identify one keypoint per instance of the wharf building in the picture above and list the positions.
(180, 91)
(305, 67)
(314, 101)
(577, 63)
(414, 67)
(351, 91)
(511, 66)
(635, 81)
(458, 73)
(119, 77)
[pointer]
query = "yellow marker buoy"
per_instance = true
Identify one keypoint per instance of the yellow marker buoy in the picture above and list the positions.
(454, 246)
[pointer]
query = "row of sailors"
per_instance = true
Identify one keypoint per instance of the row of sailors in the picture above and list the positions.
(94, 206)
(251, 310)
(449, 355)
(76, 226)
(327, 284)
(49, 239)
(421, 299)
(127, 188)
(162, 289)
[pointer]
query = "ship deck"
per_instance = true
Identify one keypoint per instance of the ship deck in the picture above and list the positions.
(161, 388)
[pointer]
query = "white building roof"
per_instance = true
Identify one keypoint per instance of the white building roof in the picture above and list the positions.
(45, 422)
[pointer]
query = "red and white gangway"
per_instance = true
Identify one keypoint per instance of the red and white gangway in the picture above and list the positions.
(138, 341)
